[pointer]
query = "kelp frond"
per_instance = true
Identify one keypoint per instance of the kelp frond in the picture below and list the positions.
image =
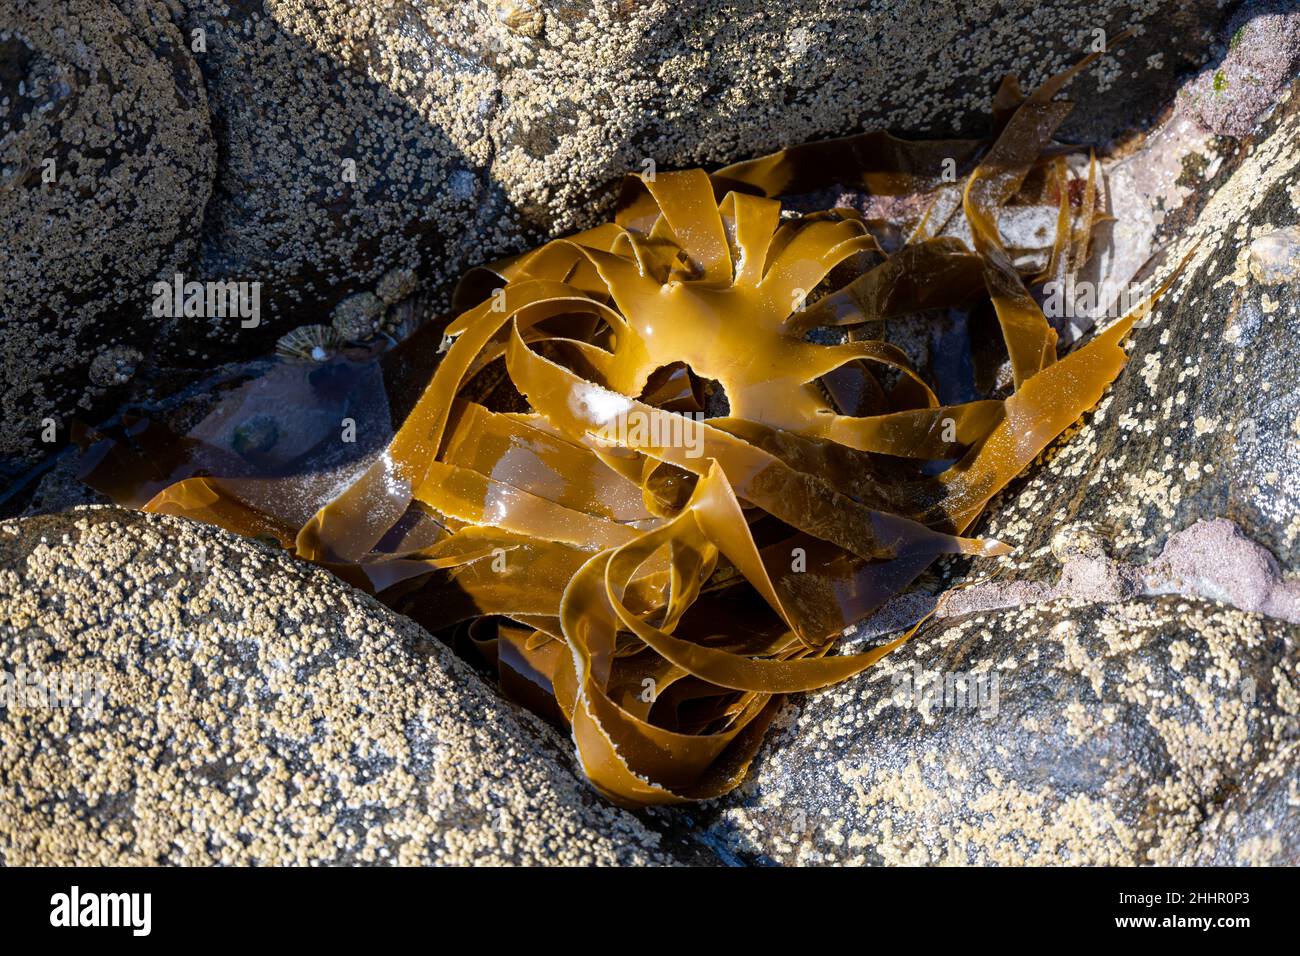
(658, 568)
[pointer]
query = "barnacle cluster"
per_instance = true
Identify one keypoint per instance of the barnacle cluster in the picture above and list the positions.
(660, 467)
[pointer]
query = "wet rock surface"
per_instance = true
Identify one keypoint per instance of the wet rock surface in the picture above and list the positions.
(256, 710)
(106, 164)
(1255, 825)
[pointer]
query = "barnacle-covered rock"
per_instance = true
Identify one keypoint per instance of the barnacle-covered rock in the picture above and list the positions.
(1207, 423)
(1261, 54)
(106, 163)
(397, 284)
(1127, 729)
(445, 134)
(1063, 733)
(256, 711)
(1255, 825)
(357, 317)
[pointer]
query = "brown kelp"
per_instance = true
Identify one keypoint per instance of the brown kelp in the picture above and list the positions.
(661, 464)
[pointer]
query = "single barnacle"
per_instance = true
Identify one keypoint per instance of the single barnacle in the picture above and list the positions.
(1275, 256)
(521, 16)
(310, 343)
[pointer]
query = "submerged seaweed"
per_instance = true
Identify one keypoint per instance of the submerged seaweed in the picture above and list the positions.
(662, 464)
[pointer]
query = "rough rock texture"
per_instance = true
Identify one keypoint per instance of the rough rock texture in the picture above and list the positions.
(1258, 61)
(1082, 734)
(1211, 560)
(1160, 729)
(110, 95)
(362, 137)
(477, 128)
(1205, 420)
(1250, 826)
(256, 710)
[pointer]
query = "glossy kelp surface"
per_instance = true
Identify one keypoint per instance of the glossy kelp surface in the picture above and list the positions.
(662, 464)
